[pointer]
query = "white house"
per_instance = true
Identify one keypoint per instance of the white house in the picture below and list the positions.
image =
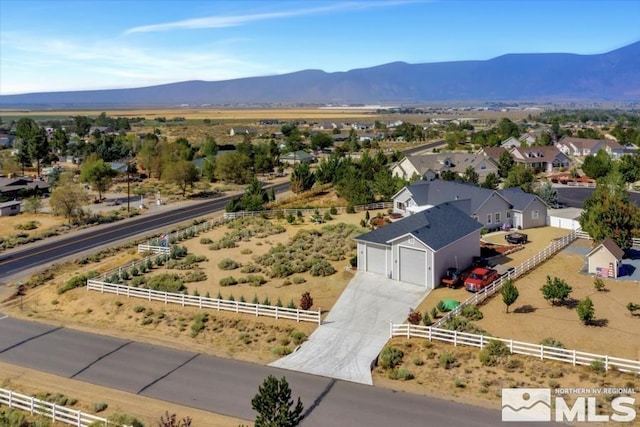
(582, 147)
(418, 249)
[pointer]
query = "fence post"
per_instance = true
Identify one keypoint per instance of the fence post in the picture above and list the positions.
(10, 398)
(390, 329)
(511, 346)
(53, 412)
(541, 352)
(408, 330)
(606, 362)
(574, 357)
(481, 341)
(183, 300)
(199, 301)
(276, 312)
(455, 338)
(31, 407)
(78, 419)
(319, 316)
(149, 293)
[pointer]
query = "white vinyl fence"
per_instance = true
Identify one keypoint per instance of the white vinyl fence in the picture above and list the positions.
(304, 212)
(521, 269)
(57, 413)
(516, 347)
(204, 302)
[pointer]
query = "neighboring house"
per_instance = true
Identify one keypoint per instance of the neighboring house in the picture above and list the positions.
(329, 126)
(527, 209)
(101, 129)
(582, 147)
(605, 259)
(511, 142)
(10, 208)
(527, 138)
(486, 206)
(544, 158)
(268, 122)
(296, 157)
(361, 126)
(12, 187)
(118, 167)
(430, 166)
(242, 131)
(418, 249)
(493, 153)
(6, 140)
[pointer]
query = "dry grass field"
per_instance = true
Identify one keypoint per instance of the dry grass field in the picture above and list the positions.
(21, 223)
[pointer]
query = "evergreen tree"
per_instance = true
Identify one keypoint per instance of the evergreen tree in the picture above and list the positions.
(275, 406)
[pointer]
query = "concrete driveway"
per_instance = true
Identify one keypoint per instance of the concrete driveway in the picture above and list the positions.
(356, 329)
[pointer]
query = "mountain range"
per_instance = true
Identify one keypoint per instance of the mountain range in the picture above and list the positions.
(549, 77)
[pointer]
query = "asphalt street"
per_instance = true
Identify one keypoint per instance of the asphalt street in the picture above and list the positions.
(575, 197)
(39, 255)
(219, 385)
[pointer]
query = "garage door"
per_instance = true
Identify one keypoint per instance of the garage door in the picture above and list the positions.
(376, 260)
(413, 266)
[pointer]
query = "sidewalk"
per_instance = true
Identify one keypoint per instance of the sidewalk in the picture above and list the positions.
(356, 329)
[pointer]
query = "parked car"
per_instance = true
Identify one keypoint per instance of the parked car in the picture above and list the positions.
(480, 278)
(452, 278)
(516, 238)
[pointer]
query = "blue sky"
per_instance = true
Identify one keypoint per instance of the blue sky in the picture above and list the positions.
(74, 45)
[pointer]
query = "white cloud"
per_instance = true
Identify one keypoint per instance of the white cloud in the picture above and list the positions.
(237, 20)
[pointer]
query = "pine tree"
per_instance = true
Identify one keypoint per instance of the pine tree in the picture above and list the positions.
(274, 404)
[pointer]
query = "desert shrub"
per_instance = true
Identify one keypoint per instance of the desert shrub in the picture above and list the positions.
(124, 275)
(281, 351)
(322, 268)
(194, 276)
(426, 319)
(124, 419)
(246, 251)
(138, 309)
(552, 342)
(281, 269)
(177, 251)
(390, 357)
(447, 360)
(598, 284)
(298, 337)
(228, 264)
(165, 282)
(403, 374)
(494, 353)
(471, 312)
(135, 271)
(256, 280)
(598, 366)
(205, 240)
(333, 210)
(351, 209)
(228, 281)
(250, 268)
(266, 301)
(418, 361)
(76, 282)
(29, 225)
(457, 382)
(198, 324)
(306, 302)
(291, 305)
(462, 324)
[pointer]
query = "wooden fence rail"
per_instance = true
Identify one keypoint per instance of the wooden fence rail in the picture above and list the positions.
(304, 212)
(57, 413)
(516, 347)
(520, 270)
(204, 302)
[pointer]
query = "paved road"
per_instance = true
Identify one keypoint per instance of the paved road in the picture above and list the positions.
(219, 385)
(42, 254)
(575, 197)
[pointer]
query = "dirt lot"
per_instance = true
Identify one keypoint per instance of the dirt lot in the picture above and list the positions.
(42, 222)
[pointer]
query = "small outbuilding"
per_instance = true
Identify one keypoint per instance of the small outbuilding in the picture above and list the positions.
(10, 208)
(605, 259)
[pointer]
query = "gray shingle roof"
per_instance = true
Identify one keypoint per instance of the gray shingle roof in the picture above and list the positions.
(517, 198)
(436, 227)
(439, 191)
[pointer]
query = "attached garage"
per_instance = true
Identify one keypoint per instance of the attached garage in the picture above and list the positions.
(567, 218)
(419, 248)
(413, 265)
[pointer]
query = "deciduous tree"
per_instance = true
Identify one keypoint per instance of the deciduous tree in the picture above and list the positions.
(556, 290)
(67, 198)
(183, 173)
(585, 311)
(509, 293)
(520, 176)
(597, 166)
(97, 173)
(302, 178)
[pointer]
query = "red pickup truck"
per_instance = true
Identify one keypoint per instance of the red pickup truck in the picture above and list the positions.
(480, 278)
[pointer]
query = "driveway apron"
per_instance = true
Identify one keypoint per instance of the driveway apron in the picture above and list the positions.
(356, 329)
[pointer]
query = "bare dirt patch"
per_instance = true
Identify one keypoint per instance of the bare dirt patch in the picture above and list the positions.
(42, 221)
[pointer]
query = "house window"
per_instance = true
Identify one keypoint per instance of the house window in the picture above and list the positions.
(497, 217)
(508, 214)
(534, 214)
(401, 206)
(489, 219)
